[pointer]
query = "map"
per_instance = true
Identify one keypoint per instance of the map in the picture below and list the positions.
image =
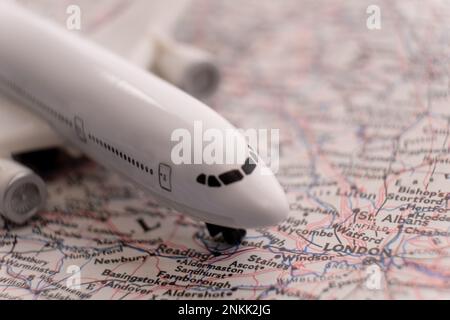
(364, 119)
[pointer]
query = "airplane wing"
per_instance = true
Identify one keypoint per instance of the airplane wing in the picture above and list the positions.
(123, 26)
(22, 131)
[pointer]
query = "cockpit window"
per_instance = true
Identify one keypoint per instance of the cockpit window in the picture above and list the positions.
(249, 166)
(201, 178)
(231, 177)
(213, 182)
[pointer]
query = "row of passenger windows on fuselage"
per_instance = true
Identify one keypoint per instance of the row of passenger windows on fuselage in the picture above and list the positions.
(120, 154)
(69, 123)
(61, 118)
(228, 177)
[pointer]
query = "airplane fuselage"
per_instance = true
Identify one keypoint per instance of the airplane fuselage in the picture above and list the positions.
(118, 114)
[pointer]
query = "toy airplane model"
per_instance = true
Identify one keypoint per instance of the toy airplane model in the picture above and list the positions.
(100, 99)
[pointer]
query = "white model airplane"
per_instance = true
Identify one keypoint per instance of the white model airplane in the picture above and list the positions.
(101, 99)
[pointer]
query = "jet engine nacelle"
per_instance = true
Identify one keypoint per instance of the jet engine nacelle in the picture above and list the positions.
(22, 192)
(187, 67)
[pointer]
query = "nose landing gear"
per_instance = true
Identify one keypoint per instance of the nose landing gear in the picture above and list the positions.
(230, 235)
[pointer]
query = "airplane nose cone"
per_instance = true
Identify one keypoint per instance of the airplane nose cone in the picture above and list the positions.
(253, 200)
(266, 204)
(272, 209)
(274, 212)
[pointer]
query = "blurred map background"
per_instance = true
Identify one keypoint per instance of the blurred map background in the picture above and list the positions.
(364, 119)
